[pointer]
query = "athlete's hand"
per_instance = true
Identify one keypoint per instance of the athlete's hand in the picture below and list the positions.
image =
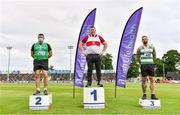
(85, 53)
(101, 54)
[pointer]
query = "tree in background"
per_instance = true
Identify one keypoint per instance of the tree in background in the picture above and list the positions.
(107, 62)
(177, 66)
(171, 58)
(133, 71)
(159, 67)
(171, 62)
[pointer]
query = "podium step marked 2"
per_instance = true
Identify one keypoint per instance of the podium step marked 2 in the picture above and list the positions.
(148, 103)
(94, 98)
(40, 102)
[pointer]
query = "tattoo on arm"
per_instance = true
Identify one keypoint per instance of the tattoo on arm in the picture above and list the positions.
(138, 55)
(154, 53)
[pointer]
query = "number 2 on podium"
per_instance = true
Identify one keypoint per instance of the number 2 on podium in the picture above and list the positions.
(94, 92)
(38, 101)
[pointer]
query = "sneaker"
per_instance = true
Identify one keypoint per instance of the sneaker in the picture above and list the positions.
(144, 96)
(153, 97)
(100, 85)
(88, 85)
(37, 92)
(45, 92)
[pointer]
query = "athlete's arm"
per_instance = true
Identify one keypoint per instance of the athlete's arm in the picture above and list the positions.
(138, 55)
(32, 54)
(32, 51)
(104, 45)
(104, 48)
(50, 53)
(154, 53)
(82, 43)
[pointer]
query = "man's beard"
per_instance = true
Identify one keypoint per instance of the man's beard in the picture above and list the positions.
(40, 42)
(145, 43)
(93, 33)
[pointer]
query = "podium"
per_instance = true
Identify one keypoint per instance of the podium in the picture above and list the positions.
(40, 102)
(94, 98)
(149, 103)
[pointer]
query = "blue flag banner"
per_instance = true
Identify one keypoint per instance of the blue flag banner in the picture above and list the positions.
(80, 60)
(126, 47)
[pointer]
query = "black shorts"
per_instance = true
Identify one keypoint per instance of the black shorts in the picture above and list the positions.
(40, 64)
(147, 70)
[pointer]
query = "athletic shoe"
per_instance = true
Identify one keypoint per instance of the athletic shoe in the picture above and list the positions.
(100, 85)
(37, 92)
(144, 96)
(45, 92)
(153, 97)
(88, 85)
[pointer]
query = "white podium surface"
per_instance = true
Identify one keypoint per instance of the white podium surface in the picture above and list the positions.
(149, 103)
(94, 98)
(40, 102)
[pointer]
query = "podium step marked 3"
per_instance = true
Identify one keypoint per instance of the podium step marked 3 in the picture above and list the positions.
(148, 103)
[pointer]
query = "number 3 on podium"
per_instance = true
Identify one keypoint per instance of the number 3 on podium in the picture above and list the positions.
(94, 92)
(152, 103)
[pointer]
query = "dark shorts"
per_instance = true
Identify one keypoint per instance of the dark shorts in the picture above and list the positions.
(147, 70)
(40, 64)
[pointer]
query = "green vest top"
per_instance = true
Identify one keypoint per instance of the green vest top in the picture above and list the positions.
(146, 55)
(40, 51)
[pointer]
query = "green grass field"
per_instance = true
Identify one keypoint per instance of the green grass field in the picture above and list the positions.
(14, 99)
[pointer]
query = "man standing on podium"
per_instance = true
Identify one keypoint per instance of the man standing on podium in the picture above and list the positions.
(41, 52)
(93, 54)
(146, 56)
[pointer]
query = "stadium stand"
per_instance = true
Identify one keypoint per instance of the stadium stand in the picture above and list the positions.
(55, 76)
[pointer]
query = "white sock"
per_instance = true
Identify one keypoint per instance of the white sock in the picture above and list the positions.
(38, 89)
(45, 88)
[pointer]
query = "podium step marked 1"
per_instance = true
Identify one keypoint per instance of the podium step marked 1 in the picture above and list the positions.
(94, 98)
(148, 103)
(40, 102)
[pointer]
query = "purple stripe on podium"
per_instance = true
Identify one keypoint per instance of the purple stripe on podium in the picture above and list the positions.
(94, 103)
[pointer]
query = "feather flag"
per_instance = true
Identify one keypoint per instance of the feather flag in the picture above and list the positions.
(80, 60)
(126, 47)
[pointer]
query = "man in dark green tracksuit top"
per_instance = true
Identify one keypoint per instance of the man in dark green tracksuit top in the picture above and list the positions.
(146, 55)
(41, 52)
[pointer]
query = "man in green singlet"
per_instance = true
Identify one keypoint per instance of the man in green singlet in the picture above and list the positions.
(146, 56)
(41, 52)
